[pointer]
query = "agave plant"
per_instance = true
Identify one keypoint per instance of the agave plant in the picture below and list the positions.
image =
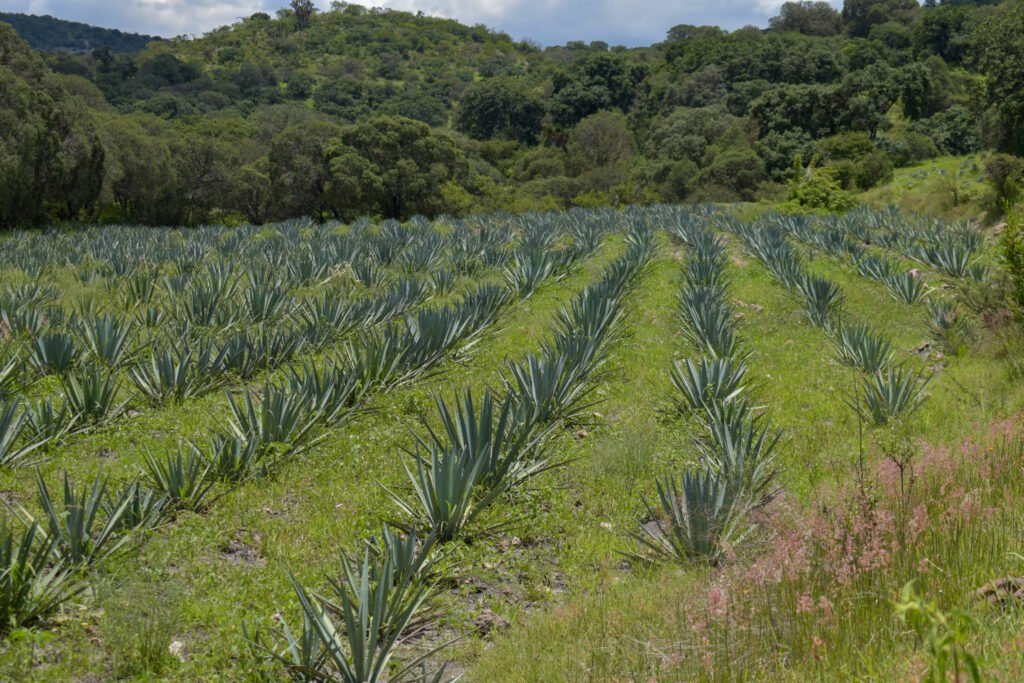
(107, 338)
(907, 287)
(266, 303)
(183, 479)
(529, 269)
(350, 634)
(875, 268)
(547, 388)
(893, 393)
(55, 352)
(144, 507)
(31, 587)
(15, 448)
(706, 383)
(823, 300)
(45, 423)
(708, 323)
(10, 370)
(858, 347)
(461, 472)
(75, 531)
(234, 459)
(173, 375)
(948, 326)
(332, 388)
(743, 450)
(281, 417)
(697, 519)
(91, 393)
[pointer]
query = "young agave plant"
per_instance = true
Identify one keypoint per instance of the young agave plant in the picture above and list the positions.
(907, 287)
(708, 324)
(171, 376)
(823, 300)
(236, 460)
(73, 527)
(16, 441)
(282, 418)
(54, 352)
(461, 473)
(743, 449)
(529, 269)
(143, 510)
(706, 383)
(107, 338)
(875, 268)
(697, 519)
(350, 634)
(183, 479)
(32, 587)
(948, 326)
(91, 392)
(895, 392)
(858, 347)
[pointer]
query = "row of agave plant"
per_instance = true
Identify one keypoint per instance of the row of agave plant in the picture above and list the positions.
(886, 388)
(947, 323)
(474, 454)
(182, 362)
(711, 508)
(903, 285)
(950, 248)
(42, 565)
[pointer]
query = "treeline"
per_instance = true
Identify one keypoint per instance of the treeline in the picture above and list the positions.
(50, 34)
(355, 111)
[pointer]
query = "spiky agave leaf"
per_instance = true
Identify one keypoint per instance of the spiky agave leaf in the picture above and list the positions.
(182, 478)
(894, 392)
(31, 587)
(707, 382)
(859, 347)
(696, 519)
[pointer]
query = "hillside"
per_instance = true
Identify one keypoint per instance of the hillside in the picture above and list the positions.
(50, 34)
(280, 116)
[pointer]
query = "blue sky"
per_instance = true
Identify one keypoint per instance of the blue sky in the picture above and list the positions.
(549, 22)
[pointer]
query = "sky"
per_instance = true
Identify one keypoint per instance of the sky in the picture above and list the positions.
(548, 22)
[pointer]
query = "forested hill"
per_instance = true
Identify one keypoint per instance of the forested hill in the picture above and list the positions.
(50, 34)
(356, 111)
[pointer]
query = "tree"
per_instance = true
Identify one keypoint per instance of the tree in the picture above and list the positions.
(394, 167)
(504, 108)
(808, 18)
(998, 48)
(303, 11)
(299, 165)
(51, 159)
(600, 140)
(599, 81)
(859, 16)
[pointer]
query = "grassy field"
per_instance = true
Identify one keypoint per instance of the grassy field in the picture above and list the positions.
(541, 586)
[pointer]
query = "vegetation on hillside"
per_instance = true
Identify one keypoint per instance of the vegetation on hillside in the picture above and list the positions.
(50, 34)
(336, 113)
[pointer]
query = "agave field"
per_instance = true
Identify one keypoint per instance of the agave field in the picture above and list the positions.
(658, 443)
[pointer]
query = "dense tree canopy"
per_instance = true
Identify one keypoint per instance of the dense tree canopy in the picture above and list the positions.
(351, 110)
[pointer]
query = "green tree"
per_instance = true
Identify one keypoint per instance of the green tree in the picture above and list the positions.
(806, 17)
(859, 16)
(998, 48)
(300, 169)
(303, 11)
(393, 167)
(500, 108)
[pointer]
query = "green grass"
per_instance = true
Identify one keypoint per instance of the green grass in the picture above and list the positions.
(946, 186)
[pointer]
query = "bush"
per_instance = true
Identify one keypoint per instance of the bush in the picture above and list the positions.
(817, 189)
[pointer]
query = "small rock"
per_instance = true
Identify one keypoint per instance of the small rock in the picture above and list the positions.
(133, 413)
(1002, 592)
(607, 525)
(489, 621)
(177, 649)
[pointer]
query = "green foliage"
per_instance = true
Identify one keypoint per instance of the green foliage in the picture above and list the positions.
(946, 637)
(817, 188)
(1011, 245)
